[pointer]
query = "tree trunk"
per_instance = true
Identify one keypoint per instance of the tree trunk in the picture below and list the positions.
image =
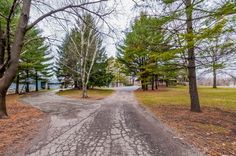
(2, 46)
(36, 82)
(85, 91)
(3, 107)
(80, 84)
(146, 87)
(2, 50)
(9, 74)
(156, 81)
(143, 86)
(153, 79)
(48, 86)
(146, 84)
(27, 81)
(167, 83)
(76, 84)
(214, 78)
(17, 84)
(195, 106)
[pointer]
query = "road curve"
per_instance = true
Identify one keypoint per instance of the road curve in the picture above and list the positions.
(111, 127)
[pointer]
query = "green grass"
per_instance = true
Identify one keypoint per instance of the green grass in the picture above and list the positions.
(224, 98)
(92, 93)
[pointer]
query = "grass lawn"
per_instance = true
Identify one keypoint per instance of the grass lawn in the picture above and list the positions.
(20, 126)
(213, 131)
(223, 98)
(93, 94)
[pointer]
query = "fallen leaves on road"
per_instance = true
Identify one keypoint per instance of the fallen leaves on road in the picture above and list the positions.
(17, 130)
(213, 130)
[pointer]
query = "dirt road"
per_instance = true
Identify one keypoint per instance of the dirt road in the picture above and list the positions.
(110, 127)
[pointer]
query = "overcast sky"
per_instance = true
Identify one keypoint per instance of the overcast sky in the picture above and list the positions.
(119, 20)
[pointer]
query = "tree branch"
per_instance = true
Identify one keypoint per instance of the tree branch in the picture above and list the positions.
(60, 10)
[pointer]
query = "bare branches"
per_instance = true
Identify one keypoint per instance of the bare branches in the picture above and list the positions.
(62, 9)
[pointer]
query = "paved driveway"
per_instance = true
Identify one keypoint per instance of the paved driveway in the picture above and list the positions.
(110, 127)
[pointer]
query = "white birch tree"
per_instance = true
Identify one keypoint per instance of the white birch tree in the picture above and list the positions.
(83, 46)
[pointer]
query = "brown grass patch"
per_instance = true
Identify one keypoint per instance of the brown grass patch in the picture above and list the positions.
(93, 94)
(213, 131)
(20, 126)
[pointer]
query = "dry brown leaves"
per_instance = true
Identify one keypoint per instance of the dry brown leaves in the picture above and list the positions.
(213, 131)
(21, 125)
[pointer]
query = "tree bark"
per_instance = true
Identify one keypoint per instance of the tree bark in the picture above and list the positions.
(75, 84)
(146, 85)
(153, 79)
(36, 82)
(156, 81)
(143, 86)
(48, 86)
(27, 81)
(2, 51)
(167, 83)
(80, 84)
(85, 91)
(3, 107)
(195, 105)
(214, 78)
(17, 84)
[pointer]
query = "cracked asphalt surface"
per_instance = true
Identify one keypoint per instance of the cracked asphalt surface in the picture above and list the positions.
(113, 126)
